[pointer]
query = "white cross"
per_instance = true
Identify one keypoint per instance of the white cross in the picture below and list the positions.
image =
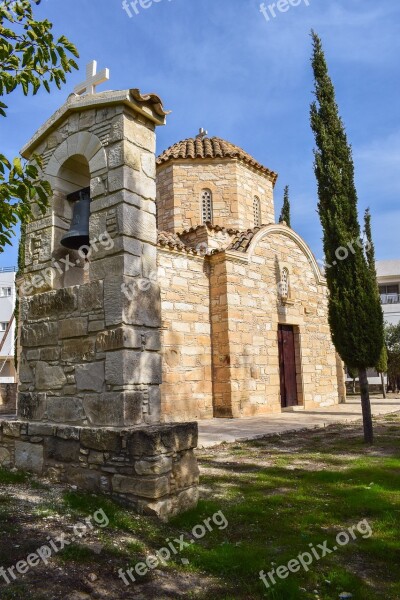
(93, 79)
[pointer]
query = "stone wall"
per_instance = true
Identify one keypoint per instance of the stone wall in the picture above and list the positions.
(152, 469)
(233, 186)
(8, 398)
(246, 311)
(90, 337)
(186, 390)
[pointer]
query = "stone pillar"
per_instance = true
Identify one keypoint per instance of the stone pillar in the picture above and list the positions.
(90, 362)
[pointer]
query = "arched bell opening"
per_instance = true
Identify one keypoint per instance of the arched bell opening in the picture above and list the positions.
(72, 202)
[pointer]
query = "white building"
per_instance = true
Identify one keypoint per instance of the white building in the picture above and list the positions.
(388, 272)
(7, 304)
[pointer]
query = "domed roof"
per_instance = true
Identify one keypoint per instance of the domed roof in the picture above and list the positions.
(209, 148)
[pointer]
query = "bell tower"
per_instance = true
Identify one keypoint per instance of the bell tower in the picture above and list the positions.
(90, 362)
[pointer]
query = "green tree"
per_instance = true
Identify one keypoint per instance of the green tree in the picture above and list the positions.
(381, 365)
(30, 58)
(392, 337)
(355, 313)
(285, 212)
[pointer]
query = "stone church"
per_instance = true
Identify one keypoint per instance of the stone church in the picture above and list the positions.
(155, 292)
(243, 301)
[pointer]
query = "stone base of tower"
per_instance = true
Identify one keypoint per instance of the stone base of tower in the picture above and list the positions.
(152, 468)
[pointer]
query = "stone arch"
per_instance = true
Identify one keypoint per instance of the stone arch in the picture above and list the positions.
(84, 144)
(286, 231)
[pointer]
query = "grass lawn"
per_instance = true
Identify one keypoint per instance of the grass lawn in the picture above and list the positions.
(276, 496)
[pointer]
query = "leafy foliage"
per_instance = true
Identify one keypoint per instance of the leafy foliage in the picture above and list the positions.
(285, 212)
(30, 58)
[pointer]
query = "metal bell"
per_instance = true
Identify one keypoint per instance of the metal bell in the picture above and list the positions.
(78, 234)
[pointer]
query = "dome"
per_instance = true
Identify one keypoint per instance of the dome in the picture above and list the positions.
(209, 148)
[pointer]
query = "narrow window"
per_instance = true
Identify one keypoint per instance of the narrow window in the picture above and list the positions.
(284, 284)
(5, 291)
(3, 326)
(206, 206)
(257, 211)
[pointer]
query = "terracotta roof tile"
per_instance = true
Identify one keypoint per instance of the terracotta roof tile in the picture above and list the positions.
(206, 148)
(243, 239)
(170, 240)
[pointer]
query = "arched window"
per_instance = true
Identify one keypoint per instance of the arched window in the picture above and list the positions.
(284, 285)
(206, 206)
(257, 211)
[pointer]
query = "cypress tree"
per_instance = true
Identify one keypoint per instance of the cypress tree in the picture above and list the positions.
(355, 313)
(285, 212)
(381, 366)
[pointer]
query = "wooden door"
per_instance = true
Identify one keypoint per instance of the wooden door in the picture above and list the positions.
(287, 366)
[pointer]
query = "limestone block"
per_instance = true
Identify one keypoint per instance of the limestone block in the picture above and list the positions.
(125, 367)
(84, 479)
(65, 410)
(114, 267)
(39, 334)
(68, 433)
(11, 429)
(69, 328)
(78, 349)
(159, 439)
(118, 338)
(151, 487)
(32, 406)
(91, 296)
(41, 429)
(49, 354)
(24, 371)
(132, 302)
(169, 507)
(98, 163)
(133, 407)
(139, 135)
(90, 377)
(148, 164)
(154, 410)
(62, 450)
(49, 377)
(155, 466)
(5, 457)
(52, 304)
(29, 456)
(136, 223)
(105, 409)
(133, 181)
(104, 440)
(185, 470)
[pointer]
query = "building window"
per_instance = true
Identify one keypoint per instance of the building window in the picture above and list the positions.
(5, 291)
(390, 293)
(284, 284)
(3, 327)
(206, 206)
(257, 211)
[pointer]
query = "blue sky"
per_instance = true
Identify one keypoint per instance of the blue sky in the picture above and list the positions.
(220, 65)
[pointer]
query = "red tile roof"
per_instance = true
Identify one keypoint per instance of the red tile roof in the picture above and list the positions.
(209, 148)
